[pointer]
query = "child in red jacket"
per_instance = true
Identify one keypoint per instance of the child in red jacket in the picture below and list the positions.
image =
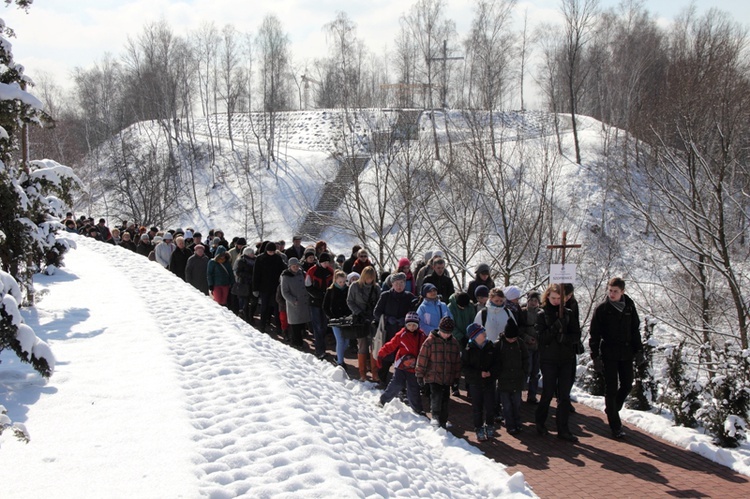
(406, 343)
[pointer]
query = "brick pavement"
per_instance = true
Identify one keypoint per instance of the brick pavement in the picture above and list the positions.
(641, 465)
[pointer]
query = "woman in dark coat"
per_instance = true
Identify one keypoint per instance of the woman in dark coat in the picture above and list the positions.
(220, 276)
(335, 307)
(558, 340)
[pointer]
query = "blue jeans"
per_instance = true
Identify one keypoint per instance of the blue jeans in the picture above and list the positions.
(319, 325)
(511, 409)
(400, 379)
(341, 344)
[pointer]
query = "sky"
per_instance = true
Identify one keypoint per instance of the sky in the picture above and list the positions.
(57, 36)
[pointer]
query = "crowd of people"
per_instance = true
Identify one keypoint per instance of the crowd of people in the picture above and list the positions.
(414, 333)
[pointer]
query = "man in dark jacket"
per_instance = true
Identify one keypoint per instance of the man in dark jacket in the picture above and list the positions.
(196, 269)
(349, 263)
(615, 342)
(268, 268)
(179, 258)
(317, 280)
(440, 279)
(296, 250)
(393, 306)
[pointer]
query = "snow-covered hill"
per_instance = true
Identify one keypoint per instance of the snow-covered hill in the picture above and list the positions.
(159, 392)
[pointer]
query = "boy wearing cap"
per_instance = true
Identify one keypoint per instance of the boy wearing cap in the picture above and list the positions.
(439, 364)
(406, 344)
(514, 363)
(481, 366)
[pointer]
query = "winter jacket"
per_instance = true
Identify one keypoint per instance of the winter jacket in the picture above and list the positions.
(497, 318)
(558, 338)
(317, 280)
(439, 360)
(514, 364)
(615, 335)
(196, 272)
(394, 307)
(407, 345)
(243, 274)
(430, 312)
(359, 265)
(334, 302)
(362, 299)
(527, 325)
(219, 274)
(163, 253)
(462, 317)
(473, 285)
(443, 283)
(178, 261)
(294, 292)
(295, 252)
(144, 248)
(266, 274)
(476, 359)
(128, 245)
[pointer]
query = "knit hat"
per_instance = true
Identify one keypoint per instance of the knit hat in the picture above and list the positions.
(352, 275)
(398, 276)
(308, 252)
(427, 256)
(188, 234)
(482, 267)
(248, 251)
(167, 236)
(412, 317)
(216, 240)
(462, 299)
(512, 293)
(403, 262)
(144, 237)
(272, 247)
(241, 241)
(482, 292)
(220, 251)
(447, 325)
(293, 261)
(511, 329)
(533, 294)
(340, 259)
(427, 288)
(199, 246)
(473, 330)
(324, 257)
(157, 239)
(438, 254)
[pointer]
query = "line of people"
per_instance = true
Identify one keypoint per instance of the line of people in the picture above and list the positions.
(427, 340)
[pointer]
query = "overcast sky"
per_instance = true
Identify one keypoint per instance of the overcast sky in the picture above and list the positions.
(58, 35)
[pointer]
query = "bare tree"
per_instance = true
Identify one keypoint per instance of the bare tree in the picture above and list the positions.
(580, 17)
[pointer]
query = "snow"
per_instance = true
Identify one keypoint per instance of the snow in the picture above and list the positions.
(159, 392)
(661, 424)
(12, 91)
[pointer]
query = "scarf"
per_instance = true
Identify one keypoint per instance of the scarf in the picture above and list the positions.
(619, 305)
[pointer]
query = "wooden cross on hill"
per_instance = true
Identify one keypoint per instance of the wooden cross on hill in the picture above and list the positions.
(564, 246)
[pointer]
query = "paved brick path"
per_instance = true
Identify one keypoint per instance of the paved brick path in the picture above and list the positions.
(641, 465)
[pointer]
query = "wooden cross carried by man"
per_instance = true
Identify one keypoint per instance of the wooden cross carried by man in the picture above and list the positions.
(564, 246)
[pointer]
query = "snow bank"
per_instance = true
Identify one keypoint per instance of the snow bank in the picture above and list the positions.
(185, 391)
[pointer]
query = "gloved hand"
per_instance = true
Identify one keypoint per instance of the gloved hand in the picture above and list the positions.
(599, 365)
(640, 358)
(256, 293)
(420, 382)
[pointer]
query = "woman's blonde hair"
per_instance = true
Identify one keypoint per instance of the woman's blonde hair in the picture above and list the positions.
(368, 271)
(552, 288)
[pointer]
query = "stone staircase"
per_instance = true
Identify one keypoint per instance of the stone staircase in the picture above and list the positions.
(331, 196)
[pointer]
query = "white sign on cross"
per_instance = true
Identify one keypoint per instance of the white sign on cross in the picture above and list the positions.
(562, 273)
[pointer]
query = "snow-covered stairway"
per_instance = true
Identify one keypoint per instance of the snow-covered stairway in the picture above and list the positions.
(331, 197)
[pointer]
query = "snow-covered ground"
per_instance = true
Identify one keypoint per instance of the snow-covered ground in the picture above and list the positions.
(159, 392)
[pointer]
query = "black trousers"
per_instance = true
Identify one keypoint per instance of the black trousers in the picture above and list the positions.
(618, 382)
(556, 376)
(439, 397)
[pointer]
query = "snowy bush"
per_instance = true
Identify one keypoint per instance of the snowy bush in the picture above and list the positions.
(727, 405)
(644, 390)
(19, 430)
(592, 381)
(682, 395)
(17, 336)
